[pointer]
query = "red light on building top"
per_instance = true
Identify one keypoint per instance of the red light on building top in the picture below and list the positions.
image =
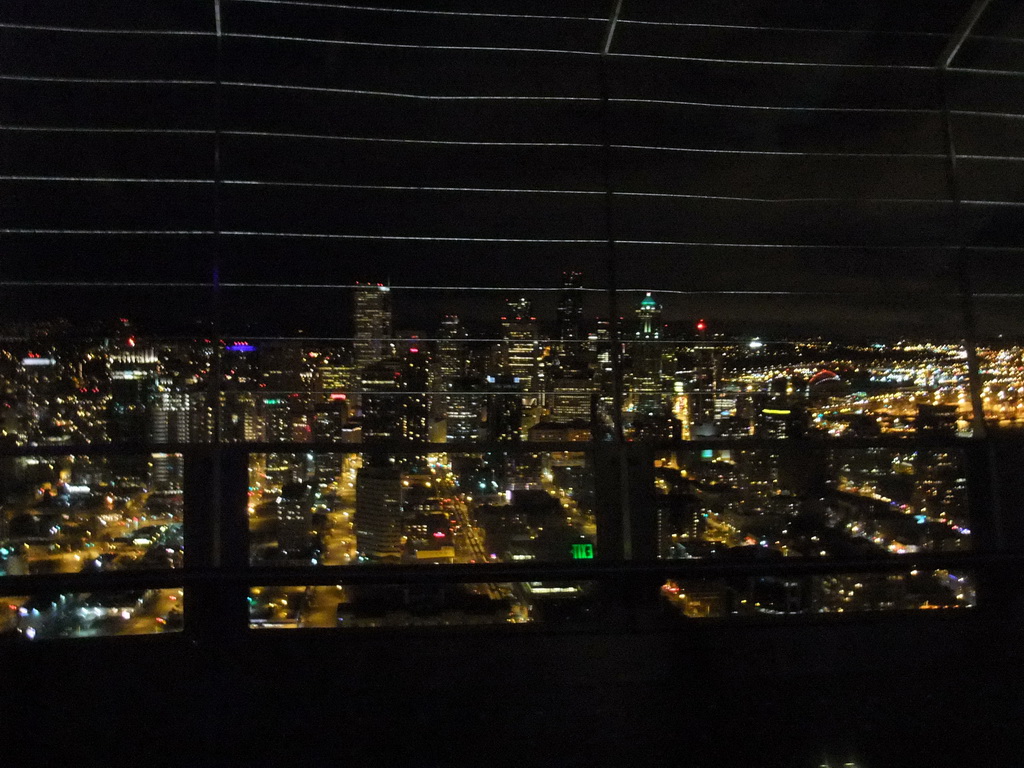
(701, 325)
(414, 350)
(131, 341)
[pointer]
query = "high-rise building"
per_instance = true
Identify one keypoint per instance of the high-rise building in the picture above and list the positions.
(572, 396)
(570, 314)
(464, 408)
(132, 388)
(504, 409)
(520, 346)
(378, 518)
(646, 357)
(372, 324)
(381, 403)
(396, 400)
(451, 348)
(171, 420)
(133, 376)
(294, 517)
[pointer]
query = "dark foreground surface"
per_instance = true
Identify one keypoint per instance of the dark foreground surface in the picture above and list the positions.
(880, 692)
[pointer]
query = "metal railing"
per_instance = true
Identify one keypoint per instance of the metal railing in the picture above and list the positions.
(217, 575)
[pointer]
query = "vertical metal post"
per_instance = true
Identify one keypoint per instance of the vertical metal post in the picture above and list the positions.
(962, 264)
(624, 544)
(986, 469)
(216, 541)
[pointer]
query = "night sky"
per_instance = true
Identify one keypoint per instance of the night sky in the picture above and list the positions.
(795, 148)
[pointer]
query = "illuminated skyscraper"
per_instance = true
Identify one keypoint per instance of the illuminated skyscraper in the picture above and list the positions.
(464, 408)
(396, 401)
(171, 421)
(133, 376)
(504, 409)
(294, 517)
(372, 323)
(451, 349)
(396, 407)
(378, 519)
(646, 355)
(572, 395)
(132, 389)
(570, 309)
(520, 347)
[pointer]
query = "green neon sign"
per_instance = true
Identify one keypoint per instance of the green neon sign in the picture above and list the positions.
(582, 551)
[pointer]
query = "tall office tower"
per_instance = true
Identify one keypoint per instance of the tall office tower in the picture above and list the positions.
(599, 351)
(414, 382)
(646, 356)
(335, 374)
(520, 349)
(784, 409)
(600, 347)
(464, 408)
(504, 425)
(294, 517)
(283, 368)
(33, 400)
(170, 421)
(381, 402)
(396, 400)
(330, 420)
(569, 315)
(378, 519)
(372, 324)
(241, 417)
(286, 418)
(705, 386)
(132, 388)
(452, 348)
(395, 408)
(504, 409)
(133, 375)
(572, 395)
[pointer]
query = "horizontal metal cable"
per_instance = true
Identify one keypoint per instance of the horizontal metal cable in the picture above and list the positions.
(402, 95)
(44, 231)
(103, 80)
(428, 238)
(409, 46)
(529, 17)
(808, 443)
(576, 52)
(838, 110)
(409, 188)
(102, 130)
(817, 30)
(981, 71)
(476, 97)
(485, 190)
(103, 179)
(770, 63)
(425, 12)
(425, 142)
(769, 28)
(504, 144)
(505, 190)
(99, 31)
(494, 572)
(782, 153)
(417, 238)
(660, 291)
